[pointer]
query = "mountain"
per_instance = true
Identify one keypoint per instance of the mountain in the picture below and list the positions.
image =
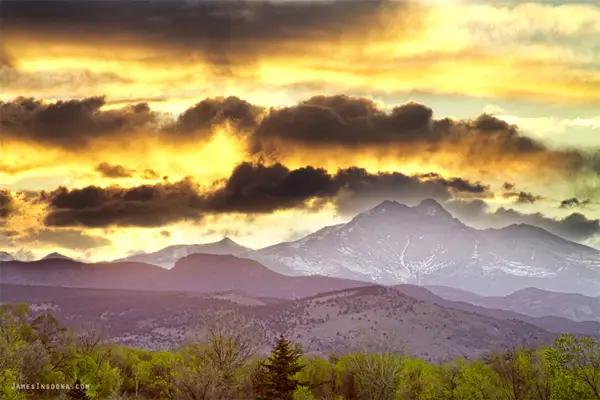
(23, 255)
(4, 256)
(394, 243)
(327, 322)
(168, 256)
(70, 273)
(531, 301)
(55, 256)
(211, 272)
(550, 322)
(195, 273)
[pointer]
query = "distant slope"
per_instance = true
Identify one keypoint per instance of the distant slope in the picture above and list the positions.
(550, 323)
(532, 301)
(71, 273)
(168, 256)
(394, 243)
(326, 322)
(194, 273)
(209, 273)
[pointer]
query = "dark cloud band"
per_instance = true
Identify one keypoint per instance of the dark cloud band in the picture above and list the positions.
(252, 188)
(224, 33)
(324, 122)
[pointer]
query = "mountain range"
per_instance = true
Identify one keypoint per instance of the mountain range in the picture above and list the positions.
(195, 273)
(445, 288)
(389, 244)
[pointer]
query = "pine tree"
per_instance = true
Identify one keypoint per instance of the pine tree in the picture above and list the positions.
(77, 392)
(278, 382)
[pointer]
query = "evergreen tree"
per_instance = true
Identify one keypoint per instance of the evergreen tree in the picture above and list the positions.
(278, 382)
(78, 391)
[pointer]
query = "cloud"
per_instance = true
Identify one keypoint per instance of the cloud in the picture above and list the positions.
(225, 34)
(351, 124)
(507, 186)
(210, 112)
(362, 190)
(576, 227)
(7, 204)
(522, 197)
(574, 202)
(251, 188)
(146, 206)
(115, 171)
(343, 126)
(71, 124)
(71, 239)
(182, 48)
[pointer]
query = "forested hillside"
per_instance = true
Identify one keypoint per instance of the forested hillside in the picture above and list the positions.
(225, 361)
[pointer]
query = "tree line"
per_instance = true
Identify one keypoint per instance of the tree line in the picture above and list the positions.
(225, 362)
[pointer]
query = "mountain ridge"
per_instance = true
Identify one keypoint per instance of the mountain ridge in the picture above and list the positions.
(393, 243)
(199, 273)
(168, 256)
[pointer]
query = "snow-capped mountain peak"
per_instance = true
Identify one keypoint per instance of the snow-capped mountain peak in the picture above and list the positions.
(393, 243)
(168, 256)
(5, 257)
(432, 208)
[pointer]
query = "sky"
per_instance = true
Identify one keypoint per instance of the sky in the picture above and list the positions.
(128, 126)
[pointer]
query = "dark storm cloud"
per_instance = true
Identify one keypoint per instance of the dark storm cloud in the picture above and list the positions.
(71, 124)
(252, 188)
(146, 206)
(351, 122)
(522, 197)
(362, 190)
(258, 188)
(75, 124)
(224, 33)
(507, 186)
(322, 122)
(213, 111)
(576, 226)
(574, 202)
(114, 171)
(347, 122)
(457, 184)
(7, 204)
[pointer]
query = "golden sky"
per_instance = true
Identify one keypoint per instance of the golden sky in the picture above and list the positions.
(129, 126)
